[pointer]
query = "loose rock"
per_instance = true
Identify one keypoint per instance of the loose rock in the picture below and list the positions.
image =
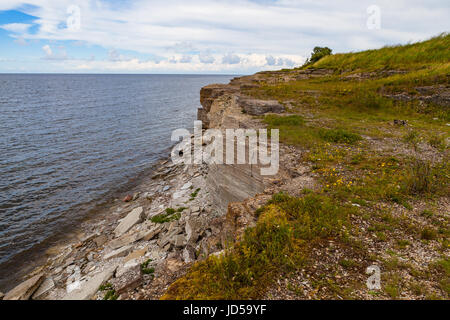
(134, 217)
(122, 252)
(24, 290)
(90, 287)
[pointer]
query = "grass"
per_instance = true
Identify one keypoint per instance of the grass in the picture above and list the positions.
(339, 136)
(170, 215)
(438, 142)
(194, 194)
(403, 57)
(278, 242)
(348, 263)
(110, 292)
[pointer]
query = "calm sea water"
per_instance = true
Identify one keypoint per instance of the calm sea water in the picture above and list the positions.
(68, 141)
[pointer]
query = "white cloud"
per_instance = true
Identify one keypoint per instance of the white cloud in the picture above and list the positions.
(16, 27)
(51, 55)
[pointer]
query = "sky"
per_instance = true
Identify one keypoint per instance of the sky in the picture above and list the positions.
(201, 37)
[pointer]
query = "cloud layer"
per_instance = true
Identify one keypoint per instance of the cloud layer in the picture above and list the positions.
(217, 36)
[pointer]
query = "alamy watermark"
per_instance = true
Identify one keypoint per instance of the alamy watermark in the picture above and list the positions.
(374, 19)
(374, 281)
(251, 144)
(74, 20)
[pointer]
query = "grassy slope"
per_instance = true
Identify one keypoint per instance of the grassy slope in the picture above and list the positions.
(396, 194)
(406, 57)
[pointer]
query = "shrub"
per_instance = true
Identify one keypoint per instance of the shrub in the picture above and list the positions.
(145, 269)
(420, 179)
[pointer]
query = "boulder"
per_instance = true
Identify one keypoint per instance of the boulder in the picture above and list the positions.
(186, 186)
(173, 265)
(192, 228)
(178, 195)
(130, 280)
(91, 286)
(100, 240)
(121, 270)
(178, 240)
(134, 217)
(257, 107)
(1, 295)
(153, 232)
(188, 254)
(195, 209)
(127, 239)
(24, 290)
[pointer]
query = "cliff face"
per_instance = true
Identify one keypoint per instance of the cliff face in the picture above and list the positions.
(225, 107)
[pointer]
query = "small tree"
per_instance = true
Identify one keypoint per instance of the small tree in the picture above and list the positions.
(317, 54)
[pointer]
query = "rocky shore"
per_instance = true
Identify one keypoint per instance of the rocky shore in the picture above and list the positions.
(149, 238)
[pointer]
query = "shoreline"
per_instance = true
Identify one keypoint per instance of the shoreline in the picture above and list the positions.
(165, 186)
(24, 262)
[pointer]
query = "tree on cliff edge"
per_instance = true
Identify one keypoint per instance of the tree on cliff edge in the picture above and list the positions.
(317, 54)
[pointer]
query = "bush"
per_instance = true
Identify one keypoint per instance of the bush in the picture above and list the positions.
(420, 179)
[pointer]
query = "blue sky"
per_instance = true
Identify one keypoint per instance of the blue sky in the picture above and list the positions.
(198, 36)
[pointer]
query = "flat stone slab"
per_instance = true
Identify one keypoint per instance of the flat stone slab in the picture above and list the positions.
(24, 290)
(135, 254)
(134, 217)
(122, 252)
(91, 286)
(47, 285)
(121, 270)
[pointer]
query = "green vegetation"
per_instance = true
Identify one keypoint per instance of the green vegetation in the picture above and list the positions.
(170, 215)
(110, 292)
(317, 54)
(339, 136)
(409, 56)
(194, 194)
(279, 242)
(145, 269)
